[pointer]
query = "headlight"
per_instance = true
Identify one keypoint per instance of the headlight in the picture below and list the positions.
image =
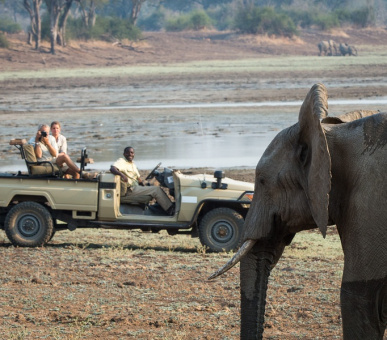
(247, 196)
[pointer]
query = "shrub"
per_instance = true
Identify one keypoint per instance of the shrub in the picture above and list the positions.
(303, 18)
(4, 43)
(264, 20)
(9, 26)
(111, 26)
(362, 17)
(178, 24)
(326, 21)
(119, 28)
(221, 17)
(197, 20)
(45, 27)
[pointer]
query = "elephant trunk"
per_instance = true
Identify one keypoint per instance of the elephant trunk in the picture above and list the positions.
(255, 270)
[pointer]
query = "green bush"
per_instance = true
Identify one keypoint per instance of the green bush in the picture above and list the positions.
(196, 20)
(9, 26)
(264, 20)
(362, 17)
(304, 19)
(111, 26)
(221, 17)
(327, 21)
(4, 43)
(45, 27)
(178, 24)
(199, 20)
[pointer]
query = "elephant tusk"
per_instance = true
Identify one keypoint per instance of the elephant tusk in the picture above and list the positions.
(246, 246)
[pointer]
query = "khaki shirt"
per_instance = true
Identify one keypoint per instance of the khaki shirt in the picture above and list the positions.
(129, 169)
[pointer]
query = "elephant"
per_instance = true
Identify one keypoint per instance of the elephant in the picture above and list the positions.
(347, 49)
(326, 47)
(322, 171)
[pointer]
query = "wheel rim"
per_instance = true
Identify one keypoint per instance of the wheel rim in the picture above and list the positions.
(28, 225)
(222, 232)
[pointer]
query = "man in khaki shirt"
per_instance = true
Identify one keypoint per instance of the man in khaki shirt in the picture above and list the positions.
(133, 186)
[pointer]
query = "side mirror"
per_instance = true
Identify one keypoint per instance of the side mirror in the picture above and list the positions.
(219, 174)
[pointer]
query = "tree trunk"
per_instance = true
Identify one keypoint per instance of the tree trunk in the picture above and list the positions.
(61, 38)
(92, 16)
(35, 26)
(29, 38)
(38, 23)
(54, 8)
(136, 7)
(254, 275)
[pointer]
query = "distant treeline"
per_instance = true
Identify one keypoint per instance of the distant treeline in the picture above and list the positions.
(63, 20)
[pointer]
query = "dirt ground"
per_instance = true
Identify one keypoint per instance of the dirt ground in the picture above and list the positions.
(115, 284)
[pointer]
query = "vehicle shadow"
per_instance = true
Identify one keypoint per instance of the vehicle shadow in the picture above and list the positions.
(130, 246)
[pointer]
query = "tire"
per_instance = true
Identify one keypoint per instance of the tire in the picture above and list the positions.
(29, 224)
(221, 229)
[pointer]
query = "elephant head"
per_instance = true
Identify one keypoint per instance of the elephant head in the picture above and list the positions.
(292, 183)
(352, 50)
(314, 174)
(347, 49)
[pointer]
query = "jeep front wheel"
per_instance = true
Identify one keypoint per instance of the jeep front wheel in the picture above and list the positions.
(221, 229)
(29, 224)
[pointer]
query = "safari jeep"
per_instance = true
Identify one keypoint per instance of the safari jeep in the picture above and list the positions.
(36, 204)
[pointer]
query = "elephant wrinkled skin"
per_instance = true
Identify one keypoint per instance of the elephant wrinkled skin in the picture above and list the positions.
(322, 171)
(347, 49)
(326, 47)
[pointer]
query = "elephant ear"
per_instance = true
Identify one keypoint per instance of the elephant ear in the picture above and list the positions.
(314, 154)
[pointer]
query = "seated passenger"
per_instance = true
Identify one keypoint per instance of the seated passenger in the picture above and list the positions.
(46, 149)
(61, 140)
(133, 186)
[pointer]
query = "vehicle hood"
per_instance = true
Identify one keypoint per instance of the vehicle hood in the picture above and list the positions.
(197, 180)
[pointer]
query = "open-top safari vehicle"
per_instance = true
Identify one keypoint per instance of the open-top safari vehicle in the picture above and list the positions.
(39, 202)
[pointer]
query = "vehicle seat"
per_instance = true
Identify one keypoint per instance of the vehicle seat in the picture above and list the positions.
(39, 168)
(35, 168)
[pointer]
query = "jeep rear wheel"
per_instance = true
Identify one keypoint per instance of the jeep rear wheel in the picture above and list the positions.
(221, 229)
(29, 224)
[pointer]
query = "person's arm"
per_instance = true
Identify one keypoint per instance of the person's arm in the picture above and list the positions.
(139, 180)
(37, 149)
(117, 172)
(51, 148)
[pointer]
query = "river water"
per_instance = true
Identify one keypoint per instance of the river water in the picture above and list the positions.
(180, 136)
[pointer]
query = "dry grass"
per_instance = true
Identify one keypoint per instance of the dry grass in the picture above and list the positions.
(114, 284)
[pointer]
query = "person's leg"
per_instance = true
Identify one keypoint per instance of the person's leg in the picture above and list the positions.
(154, 191)
(73, 169)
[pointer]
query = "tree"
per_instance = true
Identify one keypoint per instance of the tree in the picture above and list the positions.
(125, 9)
(55, 8)
(61, 37)
(88, 10)
(35, 30)
(13, 8)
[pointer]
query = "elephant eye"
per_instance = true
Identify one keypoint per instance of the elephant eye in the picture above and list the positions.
(303, 153)
(262, 181)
